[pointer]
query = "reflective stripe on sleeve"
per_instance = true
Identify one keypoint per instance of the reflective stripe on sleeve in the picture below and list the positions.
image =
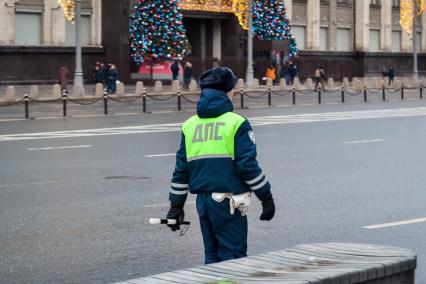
(179, 185)
(265, 181)
(253, 181)
(178, 192)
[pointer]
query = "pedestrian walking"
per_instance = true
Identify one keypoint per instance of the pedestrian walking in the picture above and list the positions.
(187, 74)
(64, 74)
(175, 70)
(103, 75)
(319, 78)
(271, 73)
(391, 75)
(293, 72)
(217, 161)
(112, 79)
(285, 72)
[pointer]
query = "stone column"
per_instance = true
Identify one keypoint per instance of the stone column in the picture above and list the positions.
(362, 24)
(288, 4)
(386, 26)
(313, 25)
(58, 24)
(47, 23)
(217, 39)
(423, 39)
(7, 22)
(96, 23)
(332, 26)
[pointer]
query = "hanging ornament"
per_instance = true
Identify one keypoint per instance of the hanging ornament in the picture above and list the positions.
(69, 9)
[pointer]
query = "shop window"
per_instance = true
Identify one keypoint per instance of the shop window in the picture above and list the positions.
(299, 34)
(396, 41)
(343, 39)
(374, 41)
(323, 38)
(85, 31)
(27, 28)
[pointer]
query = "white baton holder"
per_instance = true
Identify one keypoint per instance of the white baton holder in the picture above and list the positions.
(237, 201)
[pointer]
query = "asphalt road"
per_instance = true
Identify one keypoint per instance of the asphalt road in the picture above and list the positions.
(74, 205)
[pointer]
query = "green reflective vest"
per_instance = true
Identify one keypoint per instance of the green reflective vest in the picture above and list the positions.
(211, 137)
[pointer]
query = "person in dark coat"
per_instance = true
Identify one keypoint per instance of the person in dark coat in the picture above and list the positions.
(64, 74)
(112, 79)
(175, 70)
(391, 75)
(187, 75)
(217, 162)
(293, 72)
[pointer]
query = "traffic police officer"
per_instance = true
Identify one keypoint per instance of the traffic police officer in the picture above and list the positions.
(217, 161)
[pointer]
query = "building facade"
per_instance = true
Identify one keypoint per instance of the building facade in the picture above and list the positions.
(347, 37)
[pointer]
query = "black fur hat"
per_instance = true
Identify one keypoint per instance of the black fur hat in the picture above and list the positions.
(221, 78)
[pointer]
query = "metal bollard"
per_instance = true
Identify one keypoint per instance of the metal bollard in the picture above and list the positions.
(26, 100)
(319, 95)
(343, 94)
(179, 99)
(105, 102)
(421, 90)
(294, 96)
(144, 100)
(402, 91)
(383, 93)
(365, 94)
(64, 103)
(269, 95)
(242, 98)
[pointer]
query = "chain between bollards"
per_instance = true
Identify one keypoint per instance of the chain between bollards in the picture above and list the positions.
(293, 91)
(242, 98)
(365, 94)
(64, 103)
(383, 93)
(402, 91)
(144, 100)
(269, 95)
(179, 102)
(343, 94)
(26, 101)
(105, 102)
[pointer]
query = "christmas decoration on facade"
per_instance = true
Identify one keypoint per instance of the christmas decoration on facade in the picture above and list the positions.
(408, 10)
(69, 9)
(157, 31)
(270, 22)
(237, 7)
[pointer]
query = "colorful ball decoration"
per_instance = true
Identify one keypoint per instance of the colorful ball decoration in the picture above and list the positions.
(157, 31)
(270, 22)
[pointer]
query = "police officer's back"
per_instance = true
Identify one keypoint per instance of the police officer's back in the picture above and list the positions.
(217, 161)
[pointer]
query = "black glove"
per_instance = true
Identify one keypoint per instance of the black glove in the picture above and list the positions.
(268, 211)
(177, 213)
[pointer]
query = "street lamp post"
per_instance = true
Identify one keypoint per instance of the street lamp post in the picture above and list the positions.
(250, 72)
(78, 75)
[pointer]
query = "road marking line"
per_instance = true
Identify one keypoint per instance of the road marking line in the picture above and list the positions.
(255, 121)
(160, 155)
(393, 224)
(364, 141)
(29, 183)
(61, 147)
